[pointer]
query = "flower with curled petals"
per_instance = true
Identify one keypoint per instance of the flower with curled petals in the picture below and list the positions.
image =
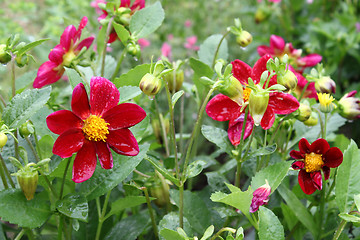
(94, 126)
(222, 108)
(350, 106)
(311, 159)
(260, 197)
(62, 55)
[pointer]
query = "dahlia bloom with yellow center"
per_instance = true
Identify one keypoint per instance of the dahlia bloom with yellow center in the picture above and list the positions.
(94, 126)
(312, 159)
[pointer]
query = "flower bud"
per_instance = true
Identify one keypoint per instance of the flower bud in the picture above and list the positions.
(3, 139)
(179, 79)
(233, 89)
(326, 104)
(27, 178)
(261, 15)
(244, 38)
(260, 197)
(155, 123)
(304, 112)
(313, 120)
(325, 85)
(288, 80)
(161, 193)
(133, 48)
(123, 16)
(150, 85)
(26, 129)
(5, 56)
(258, 103)
(22, 60)
(349, 106)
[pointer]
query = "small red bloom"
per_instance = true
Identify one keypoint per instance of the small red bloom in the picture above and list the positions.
(278, 48)
(260, 197)
(94, 126)
(222, 108)
(313, 158)
(62, 55)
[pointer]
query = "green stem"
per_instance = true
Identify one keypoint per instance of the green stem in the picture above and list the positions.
(153, 222)
(105, 44)
(181, 127)
(304, 90)
(181, 206)
(218, 48)
(32, 149)
(60, 227)
(238, 174)
(81, 75)
(64, 176)
(322, 207)
(102, 216)
(342, 225)
(163, 128)
(225, 229)
(3, 178)
(21, 233)
(37, 145)
(16, 144)
(118, 65)
(6, 170)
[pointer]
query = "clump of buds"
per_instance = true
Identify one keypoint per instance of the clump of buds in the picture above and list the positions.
(26, 129)
(243, 37)
(323, 83)
(285, 76)
(174, 79)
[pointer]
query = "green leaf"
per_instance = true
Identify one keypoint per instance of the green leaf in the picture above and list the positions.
(357, 201)
(133, 77)
(274, 174)
(15, 209)
(30, 46)
(349, 218)
(104, 180)
(217, 136)
(217, 181)
(100, 41)
(195, 210)
(201, 70)
(240, 234)
(195, 168)
(176, 97)
(300, 210)
(74, 78)
(263, 151)
(45, 145)
(121, 32)
(25, 80)
(126, 202)
(348, 178)
(129, 92)
(237, 199)
(209, 231)
(169, 234)
(147, 20)
(74, 206)
(208, 49)
(171, 221)
(24, 105)
(270, 227)
(164, 171)
(109, 68)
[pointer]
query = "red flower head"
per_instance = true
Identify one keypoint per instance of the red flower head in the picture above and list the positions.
(62, 55)
(94, 126)
(222, 108)
(313, 158)
(260, 197)
(278, 48)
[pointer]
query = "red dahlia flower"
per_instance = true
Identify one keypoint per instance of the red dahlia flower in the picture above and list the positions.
(313, 158)
(278, 48)
(222, 108)
(95, 126)
(62, 55)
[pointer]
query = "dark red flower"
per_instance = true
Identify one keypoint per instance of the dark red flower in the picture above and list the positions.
(62, 55)
(94, 126)
(260, 197)
(222, 108)
(314, 158)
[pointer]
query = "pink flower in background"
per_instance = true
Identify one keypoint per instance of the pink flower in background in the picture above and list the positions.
(95, 4)
(278, 48)
(357, 25)
(190, 43)
(143, 43)
(188, 23)
(166, 50)
(170, 37)
(62, 55)
(309, 1)
(274, 1)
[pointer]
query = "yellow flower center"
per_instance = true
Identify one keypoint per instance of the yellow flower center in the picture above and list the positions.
(67, 58)
(313, 162)
(246, 94)
(95, 128)
(325, 99)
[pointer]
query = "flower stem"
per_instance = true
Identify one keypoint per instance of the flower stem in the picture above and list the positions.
(239, 159)
(16, 144)
(153, 222)
(225, 229)
(21, 233)
(102, 216)
(303, 91)
(82, 76)
(37, 159)
(105, 44)
(64, 176)
(181, 206)
(218, 48)
(322, 206)
(163, 128)
(3, 178)
(6, 170)
(118, 65)
(238, 174)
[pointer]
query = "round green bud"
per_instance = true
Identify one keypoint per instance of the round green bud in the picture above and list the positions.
(26, 129)
(244, 38)
(288, 80)
(313, 120)
(22, 60)
(150, 85)
(28, 180)
(258, 103)
(3, 139)
(304, 112)
(133, 49)
(175, 79)
(5, 56)
(232, 88)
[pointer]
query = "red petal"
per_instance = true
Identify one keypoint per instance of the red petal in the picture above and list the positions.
(241, 71)
(84, 163)
(262, 50)
(123, 142)
(259, 68)
(297, 154)
(320, 146)
(104, 154)
(317, 179)
(298, 165)
(222, 108)
(124, 115)
(80, 102)
(305, 182)
(84, 43)
(333, 157)
(60, 121)
(277, 43)
(103, 95)
(326, 171)
(304, 146)
(48, 73)
(235, 129)
(69, 142)
(125, 3)
(138, 4)
(112, 37)
(68, 37)
(268, 119)
(56, 54)
(310, 60)
(82, 24)
(283, 103)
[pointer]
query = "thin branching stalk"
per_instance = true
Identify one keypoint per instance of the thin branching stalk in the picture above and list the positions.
(64, 177)
(181, 206)
(37, 159)
(118, 65)
(225, 229)
(218, 48)
(109, 27)
(102, 216)
(152, 217)
(3, 178)
(303, 91)
(21, 233)
(6, 170)
(81, 75)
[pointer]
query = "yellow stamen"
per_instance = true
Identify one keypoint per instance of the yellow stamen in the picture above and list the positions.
(246, 94)
(68, 57)
(95, 128)
(325, 99)
(313, 162)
